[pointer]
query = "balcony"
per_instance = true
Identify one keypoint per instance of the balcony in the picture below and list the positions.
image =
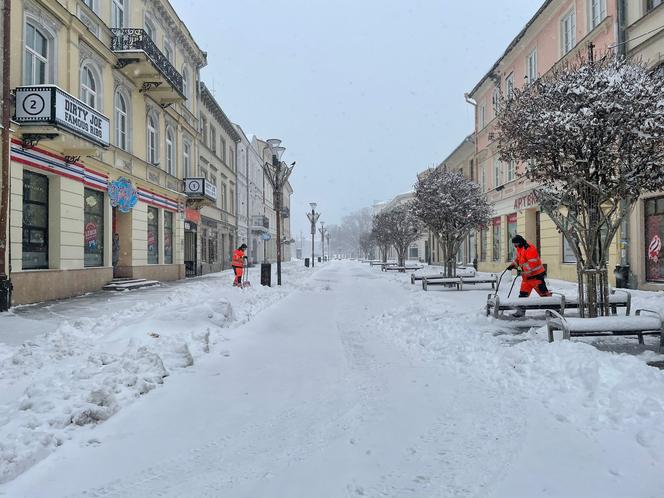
(141, 61)
(260, 223)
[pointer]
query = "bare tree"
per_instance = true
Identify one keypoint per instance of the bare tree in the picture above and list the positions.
(592, 133)
(366, 244)
(451, 206)
(380, 234)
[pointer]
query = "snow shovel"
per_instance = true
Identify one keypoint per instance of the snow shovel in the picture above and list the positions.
(513, 282)
(245, 275)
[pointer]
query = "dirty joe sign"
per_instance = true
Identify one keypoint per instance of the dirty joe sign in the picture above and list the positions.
(49, 104)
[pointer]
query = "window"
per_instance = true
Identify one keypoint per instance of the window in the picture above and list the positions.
(483, 178)
(511, 232)
(511, 171)
(93, 229)
(472, 170)
(186, 159)
(170, 152)
(204, 130)
(169, 52)
(150, 29)
(232, 203)
(568, 32)
(223, 149)
(118, 14)
(224, 205)
(153, 138)
(36, 64)
(509, 85)
(413, 253)
(568, 253)
(495, 101)
(597, 12)
(90, 4)
(497, 172)
(654, 228)
(654, 3)
(121, 121)
(483, 244)
(482, 117)
(35, 221)
(231, 159)
(185, 86)
(213, 139)
(496, 238)
(531, 64)
(168, 237)
(89, 87)
(153, 235)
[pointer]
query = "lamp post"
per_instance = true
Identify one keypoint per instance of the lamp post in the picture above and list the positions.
(313, 218)
(277, 174)
(5, 282)
(321, 230)
(329, 254)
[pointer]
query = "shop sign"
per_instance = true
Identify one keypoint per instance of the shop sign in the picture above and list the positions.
(91, 235)
(266, 236)
(496, 221)
(192, 215)
(199, 187)
(511, 218)
(122, 193)
(525, 202)
(654, 248)
(50, 105)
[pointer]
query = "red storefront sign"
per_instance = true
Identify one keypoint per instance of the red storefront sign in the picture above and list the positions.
(496, 221)
(192, 215)
(511, 218)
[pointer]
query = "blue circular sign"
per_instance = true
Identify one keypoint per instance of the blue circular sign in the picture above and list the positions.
(122, 193)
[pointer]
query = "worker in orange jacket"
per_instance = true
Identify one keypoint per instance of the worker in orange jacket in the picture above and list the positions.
(237, 262)
(533, 273)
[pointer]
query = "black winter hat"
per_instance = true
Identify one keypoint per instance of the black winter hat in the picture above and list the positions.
(243, 246)
(520, 241)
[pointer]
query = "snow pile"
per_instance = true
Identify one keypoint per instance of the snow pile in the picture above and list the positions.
(83, 369)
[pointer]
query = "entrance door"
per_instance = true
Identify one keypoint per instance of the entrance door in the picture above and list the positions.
(190, 262)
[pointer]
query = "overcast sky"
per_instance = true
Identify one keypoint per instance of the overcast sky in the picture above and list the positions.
(363, 93)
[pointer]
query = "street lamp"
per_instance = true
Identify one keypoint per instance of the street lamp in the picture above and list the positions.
(313, 218)
(277, 174)
(321, 230)
(329, 254)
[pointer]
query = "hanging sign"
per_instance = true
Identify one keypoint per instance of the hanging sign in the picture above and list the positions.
(266, 236)
(122, 193)
(655, 248)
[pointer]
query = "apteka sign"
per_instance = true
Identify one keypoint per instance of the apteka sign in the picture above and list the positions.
(51, 105)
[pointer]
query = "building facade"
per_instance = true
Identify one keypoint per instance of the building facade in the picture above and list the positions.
(106, 127)
(640, 243)
(214, 219)
(557, 32)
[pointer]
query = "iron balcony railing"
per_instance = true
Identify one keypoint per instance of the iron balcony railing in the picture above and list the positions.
(260, 221)
(133, 39)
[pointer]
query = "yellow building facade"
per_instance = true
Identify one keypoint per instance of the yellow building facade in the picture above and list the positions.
(105, 130)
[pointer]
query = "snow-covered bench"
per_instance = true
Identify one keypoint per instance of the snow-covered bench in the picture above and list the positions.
(617, 299)
(638, 325)
(459, 281)
(461, 272)
(381, 264)
(401, 268)
(496, 304)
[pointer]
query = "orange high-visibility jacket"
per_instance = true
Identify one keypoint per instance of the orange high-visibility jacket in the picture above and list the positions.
(238, 258)
(529, 261)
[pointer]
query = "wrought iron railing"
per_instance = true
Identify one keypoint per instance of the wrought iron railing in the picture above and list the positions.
(132, 39)
(261, 221)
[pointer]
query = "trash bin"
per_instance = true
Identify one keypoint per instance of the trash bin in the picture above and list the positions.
(306, 262)
(622, 276)
(319, 259)
(266, 274)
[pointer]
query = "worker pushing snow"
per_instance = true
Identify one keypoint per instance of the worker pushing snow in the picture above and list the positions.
(238, 263)
(533, 273)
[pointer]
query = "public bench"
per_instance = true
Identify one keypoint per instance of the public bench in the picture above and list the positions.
(401, 268)
(381, 264)
(461, 272)
(638, 325)
(459, 281)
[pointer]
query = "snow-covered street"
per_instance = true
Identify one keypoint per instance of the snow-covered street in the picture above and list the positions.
(346, 382)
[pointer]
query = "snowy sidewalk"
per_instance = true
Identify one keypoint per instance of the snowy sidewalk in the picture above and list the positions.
(359, 384)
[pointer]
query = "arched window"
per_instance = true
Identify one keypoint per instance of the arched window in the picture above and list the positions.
(36, 65)
(153, 139)
(89, 87)
(118, 13)
(150, 29)
(121, 121)
(170, 151)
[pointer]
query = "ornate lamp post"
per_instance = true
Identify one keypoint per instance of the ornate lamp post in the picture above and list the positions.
(329, 254)
(313, 218)
(322, 232)
(5, 282)
(277, 174)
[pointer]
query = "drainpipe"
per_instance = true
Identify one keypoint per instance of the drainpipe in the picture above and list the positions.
(624, 276)
(473, 102)
(5, 282)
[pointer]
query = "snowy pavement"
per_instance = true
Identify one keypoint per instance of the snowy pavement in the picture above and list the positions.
(346, 382)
